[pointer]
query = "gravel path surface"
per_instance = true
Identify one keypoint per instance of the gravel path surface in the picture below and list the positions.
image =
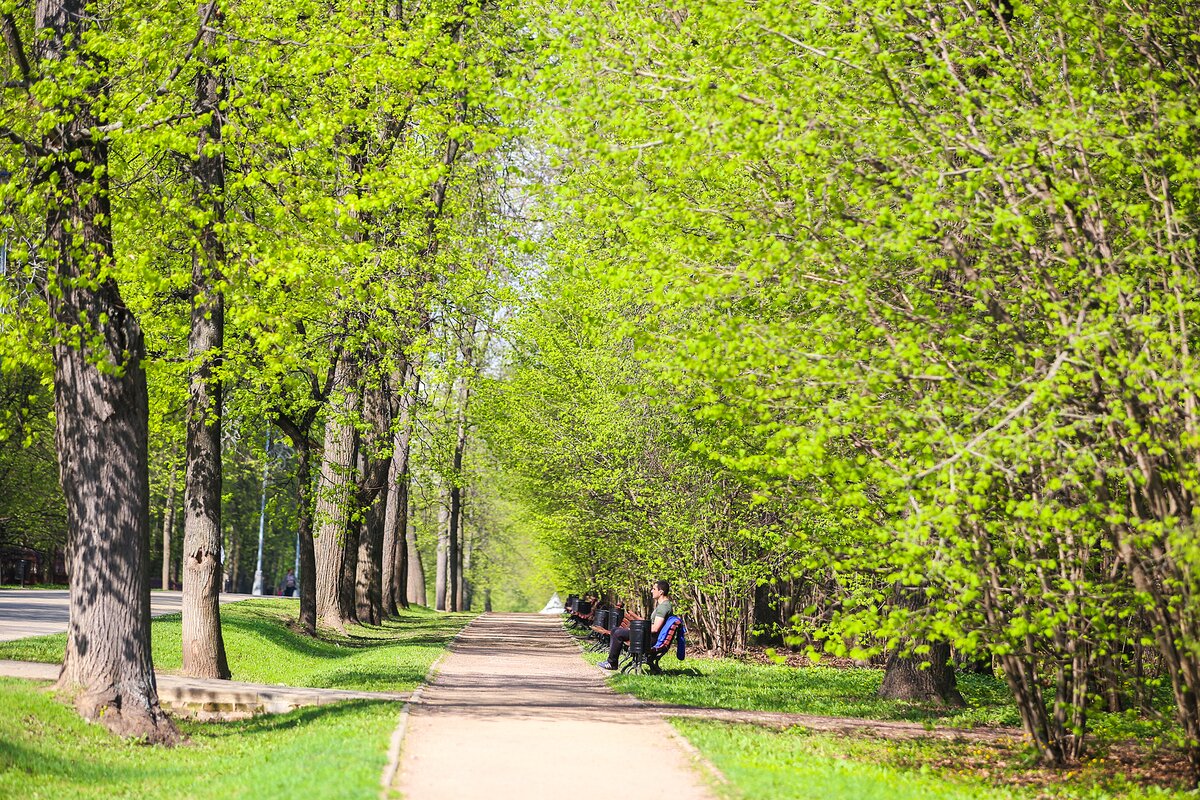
(514, 712)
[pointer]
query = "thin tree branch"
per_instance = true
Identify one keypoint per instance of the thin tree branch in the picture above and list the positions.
(12, 38)
(164, 87)
(1015, 412)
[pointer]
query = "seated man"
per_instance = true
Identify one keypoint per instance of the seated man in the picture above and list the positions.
(663, 608)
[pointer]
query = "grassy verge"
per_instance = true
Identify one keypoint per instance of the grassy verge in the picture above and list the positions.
(264, 646)
(825, 691)
(799, 765)
(1129, 758)
(47, 751)
(851, 692)
(336, 751)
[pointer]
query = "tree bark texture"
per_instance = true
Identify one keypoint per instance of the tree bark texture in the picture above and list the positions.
(101, 412)
(416, 567)
(334, 499)
(454, 537)
(350, 542)
(395, 524)
(905, 677)
(395, 555)
(168, 525)
(464, 585)
(203, 647)
(443, 548)
(372, 498)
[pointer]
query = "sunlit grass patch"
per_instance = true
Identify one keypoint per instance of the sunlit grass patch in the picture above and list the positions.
(333, 751)
(825, 691)
(264, 645)
(764, 764)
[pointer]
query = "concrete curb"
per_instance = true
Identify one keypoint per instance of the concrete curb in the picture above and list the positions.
(708, 767)
(215, 699)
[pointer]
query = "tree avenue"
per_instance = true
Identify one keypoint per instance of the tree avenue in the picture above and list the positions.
(872, 329)
(919, 284)
(240, 201)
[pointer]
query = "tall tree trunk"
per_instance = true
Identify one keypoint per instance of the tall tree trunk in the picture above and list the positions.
(350, 541)
(306, 581)
(416, 566)
(334, 500)
(373, 487)
(203, 647)
(395, 524)
(906, 677)
(464, 585)
(100, 403)
(443, 547)
(453, 551)
(454, 554)
(168, 525)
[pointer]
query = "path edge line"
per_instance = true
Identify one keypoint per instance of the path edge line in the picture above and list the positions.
(397, 741)
(707, 767)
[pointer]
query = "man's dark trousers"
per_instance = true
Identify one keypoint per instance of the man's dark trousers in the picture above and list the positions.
(614, 644)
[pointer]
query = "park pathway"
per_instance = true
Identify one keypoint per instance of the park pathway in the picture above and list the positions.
(515, 714)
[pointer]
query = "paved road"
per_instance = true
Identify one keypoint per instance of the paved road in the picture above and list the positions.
(515, 714)
(36, 612)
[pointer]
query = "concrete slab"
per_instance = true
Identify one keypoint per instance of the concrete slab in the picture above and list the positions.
(213, 699)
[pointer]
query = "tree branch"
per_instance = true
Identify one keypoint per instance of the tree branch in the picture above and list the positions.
(12, 38)
(165, 86)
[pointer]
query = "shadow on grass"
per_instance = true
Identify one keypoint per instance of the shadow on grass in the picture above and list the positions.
(822, 691)
(355, 678)
(275, 630)
(38, 763)
(266, 724)
(44, 744)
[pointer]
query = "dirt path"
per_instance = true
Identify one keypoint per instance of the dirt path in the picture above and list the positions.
(847, 726)
(514, 712)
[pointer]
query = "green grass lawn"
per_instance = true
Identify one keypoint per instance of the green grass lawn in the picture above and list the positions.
(766, 763)
(47, 751)
(851, 692)
(826, 691)
(795, 764)
(264, 646)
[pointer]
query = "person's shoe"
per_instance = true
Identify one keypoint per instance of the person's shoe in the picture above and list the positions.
(607, 665)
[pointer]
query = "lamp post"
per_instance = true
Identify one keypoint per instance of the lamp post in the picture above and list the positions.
(262, 518)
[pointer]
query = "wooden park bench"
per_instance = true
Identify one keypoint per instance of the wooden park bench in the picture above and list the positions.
(645, 655)
(613, 618)
(642, 657)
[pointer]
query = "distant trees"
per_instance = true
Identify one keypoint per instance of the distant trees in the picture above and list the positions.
(32, 510)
